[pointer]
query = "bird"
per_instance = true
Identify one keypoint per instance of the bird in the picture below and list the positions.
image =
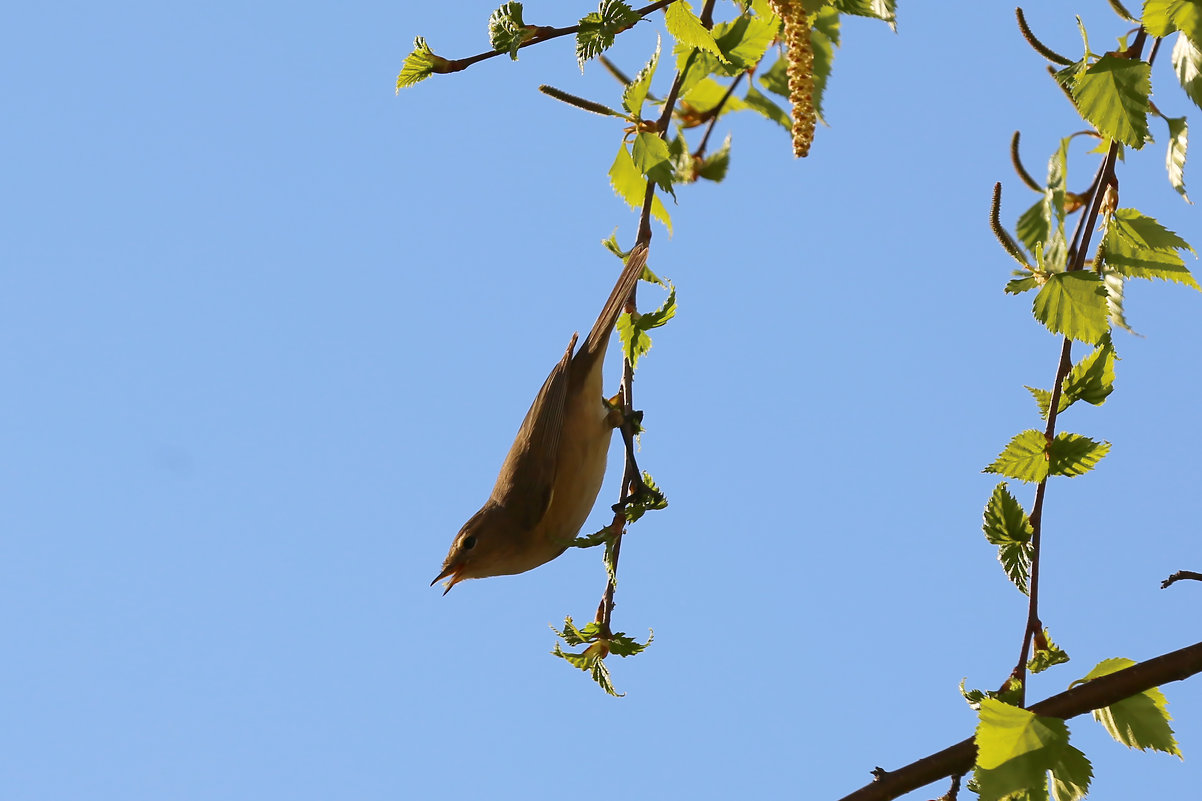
(550, 478)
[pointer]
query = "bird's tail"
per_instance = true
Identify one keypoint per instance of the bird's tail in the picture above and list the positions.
(598, 338)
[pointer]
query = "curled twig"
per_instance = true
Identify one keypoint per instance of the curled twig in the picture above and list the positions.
(1003, 236)
(1040, 47)
(1018, 165)
(580, 102)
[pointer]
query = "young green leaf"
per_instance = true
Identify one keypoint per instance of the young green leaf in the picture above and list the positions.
(1071, 775)
(776, 78)
(744, 41)
(1114, 299)
(1174, 159)
(636, 92)
(1146, 233)
(597, 30)
(1016, 286)
(1112, 94)
(1046, 653)
(1073, 304)
(1138, 246)
(687, 29)
(1016, 749)
(507, 31)
(1141, 721)
(824, 38)
(762, 105)
(1187, 63)
(706, 94)
(651, 158)
(1162, 17)
(1091, 379)
(630, 185)
(877, 9)
(625, 646)
(650, 497)
(418, 65)
(1073, 455)
(1024, 458)
(1043, 399)
(633, 328)
(1006, 525)
(713, 168)
(1034, 225)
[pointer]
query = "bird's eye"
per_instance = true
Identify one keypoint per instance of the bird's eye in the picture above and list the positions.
(469, 543)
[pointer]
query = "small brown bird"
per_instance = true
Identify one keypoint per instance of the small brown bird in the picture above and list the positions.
(552, 474)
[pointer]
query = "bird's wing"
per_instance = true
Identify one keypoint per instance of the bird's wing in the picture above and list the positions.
(528, 473)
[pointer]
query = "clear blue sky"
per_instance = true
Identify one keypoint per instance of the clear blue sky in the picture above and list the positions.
(268, 329)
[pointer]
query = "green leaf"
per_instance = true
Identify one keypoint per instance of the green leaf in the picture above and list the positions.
(1112, 95)
(1046, 654)
(625, 646)
(761, 104)
(1073, 455)
(1187, 63)
(1015, 750)
(636, 92)
(1007, 526)
(776, 78)
(1138, 246)
(1147, 233)
(1071, 775)
(713, 168)
(507, 31)
(628, 183)
(633, 328)
(1034, 225)
(652, 159)
(1024, 458)
(649, 498)
(707, 93)
(1016, 286)
(687, 29)
(1162, 17)
(1113, 282)
(1141, 721)
(1091, 379)
(598, 29)
(824, 38)
(1043, 399)
(418, 65)
(745, 40)
(1174, 160)
(1073, 304)
(877, 9)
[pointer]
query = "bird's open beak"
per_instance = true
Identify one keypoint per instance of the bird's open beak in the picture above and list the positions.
(452, 573)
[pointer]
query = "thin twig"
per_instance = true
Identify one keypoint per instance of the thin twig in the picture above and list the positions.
(630, 476)
(716, 112)
(1095, 694)
(1077, 258)
(544, 34)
